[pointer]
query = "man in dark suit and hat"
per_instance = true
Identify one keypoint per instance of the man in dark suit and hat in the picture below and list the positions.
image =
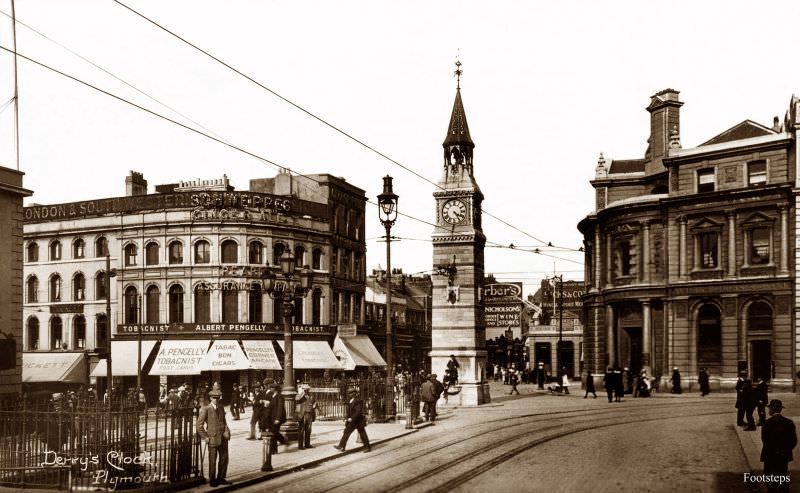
(779, 438)
(355, 421)
(213, 429)
(277, 414)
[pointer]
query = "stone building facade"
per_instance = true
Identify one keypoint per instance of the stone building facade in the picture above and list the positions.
(11, 194)
(688, 254)
(189, 263)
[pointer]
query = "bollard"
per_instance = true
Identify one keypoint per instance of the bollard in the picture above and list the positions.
(267, 452)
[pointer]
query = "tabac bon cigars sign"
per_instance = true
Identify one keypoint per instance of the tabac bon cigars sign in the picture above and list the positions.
(206, 205)
(502, 304)
(190, 328)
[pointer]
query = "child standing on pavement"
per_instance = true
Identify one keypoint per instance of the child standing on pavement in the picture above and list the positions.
(513, 380)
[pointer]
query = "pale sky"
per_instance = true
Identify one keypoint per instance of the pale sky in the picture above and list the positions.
(546, 87)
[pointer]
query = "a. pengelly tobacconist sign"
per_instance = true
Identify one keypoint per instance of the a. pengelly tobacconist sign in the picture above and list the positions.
(502, 304)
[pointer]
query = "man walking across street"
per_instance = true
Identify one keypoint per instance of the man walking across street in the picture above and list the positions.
(278, 415)
(589, 385)
(258, 408)
(429, 392)
(779, 438)
(608, 383)
(702, 379)
(213, 429)
(355, 421)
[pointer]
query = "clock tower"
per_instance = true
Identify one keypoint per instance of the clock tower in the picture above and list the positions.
(458, 323)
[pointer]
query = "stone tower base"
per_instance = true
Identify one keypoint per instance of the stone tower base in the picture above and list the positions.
(473, 389)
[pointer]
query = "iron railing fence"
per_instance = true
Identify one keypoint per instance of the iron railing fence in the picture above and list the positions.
(85, 444)
(331, 397)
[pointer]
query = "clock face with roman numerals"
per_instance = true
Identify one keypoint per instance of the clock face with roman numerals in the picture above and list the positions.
(454, 211)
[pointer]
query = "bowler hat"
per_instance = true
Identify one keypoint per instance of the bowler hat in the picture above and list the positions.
(215, 391)
(775, 405)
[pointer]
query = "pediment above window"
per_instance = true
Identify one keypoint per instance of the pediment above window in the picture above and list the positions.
(706, 224)
(757, 219)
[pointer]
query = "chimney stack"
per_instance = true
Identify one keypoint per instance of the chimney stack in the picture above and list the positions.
(664, 111)
(135, 184)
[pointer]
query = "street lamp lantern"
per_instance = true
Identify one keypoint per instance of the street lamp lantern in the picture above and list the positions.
(387, 209)
(387, 201)
(294, 283)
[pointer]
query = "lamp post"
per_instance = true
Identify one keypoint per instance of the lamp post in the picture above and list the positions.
(387, 209)
(284, 287)
(109, 274)
(138, 344)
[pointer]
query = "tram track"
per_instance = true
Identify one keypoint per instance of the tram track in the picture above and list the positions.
(505, 431)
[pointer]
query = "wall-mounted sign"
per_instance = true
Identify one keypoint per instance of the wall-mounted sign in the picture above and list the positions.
(347, 330)
(68, 308)
(502, 292)
(573, 290)
(191, 328)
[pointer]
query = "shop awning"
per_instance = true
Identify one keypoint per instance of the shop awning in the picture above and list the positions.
(180, 357)
(225, 355)
(54, 367)
(262, 355)
(124, 358)
(313, 355)
(357, 351)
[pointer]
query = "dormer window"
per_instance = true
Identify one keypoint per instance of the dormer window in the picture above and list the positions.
(756, 173)
(705, 180)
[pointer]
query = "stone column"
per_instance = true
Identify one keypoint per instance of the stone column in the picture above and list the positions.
(682, 246)
(646, 335)
(607, 269)
(731, 270)
(610, 336)
(783, 267)
(645, 251)
(597, 257)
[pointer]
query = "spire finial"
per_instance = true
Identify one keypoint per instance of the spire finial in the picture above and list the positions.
(458, 73)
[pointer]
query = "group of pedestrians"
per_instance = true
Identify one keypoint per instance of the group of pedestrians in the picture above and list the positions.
(749, 397)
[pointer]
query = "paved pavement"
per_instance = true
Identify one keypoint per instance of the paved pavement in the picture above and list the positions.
(751, 440)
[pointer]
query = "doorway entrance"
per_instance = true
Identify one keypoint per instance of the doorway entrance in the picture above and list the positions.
(542, 354)
(761, 353)
(634, 349)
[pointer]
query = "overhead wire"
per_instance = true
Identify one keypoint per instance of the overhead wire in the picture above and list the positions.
(313, 115)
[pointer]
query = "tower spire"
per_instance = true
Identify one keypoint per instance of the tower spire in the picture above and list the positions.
(457, 144)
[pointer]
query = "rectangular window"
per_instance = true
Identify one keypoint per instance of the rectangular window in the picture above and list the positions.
(708, 250)
(756, 173)
(625, 258)
(705, 180)
(759, 246)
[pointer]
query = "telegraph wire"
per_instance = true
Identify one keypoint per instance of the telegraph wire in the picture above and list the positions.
(309, 113)
(152, 98)
(242, 150)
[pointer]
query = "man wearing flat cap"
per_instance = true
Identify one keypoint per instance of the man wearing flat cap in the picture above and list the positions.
(213, 429)
(355, 421)
(779, 438)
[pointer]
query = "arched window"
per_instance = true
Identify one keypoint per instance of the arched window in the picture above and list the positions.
(299, 256)
(33, 334)
(709, 337)
(151, 253)
(202, 305)
(33, 252)
(176, 304)
(130, 254)
(153, 305)
(176, 252)
(101, 336)
(32, 288)
(56, 333)
(101, 247)
(297, 310)
(277, 252)
(316, 306)
(316, 259)
(101, 286)
(131, 305)
(55, 288)
(759, 316)
(230, 306)
(230, 254)
(79, 248)
(254, 253)
(202, 252)
(55, 250)
(79, 330)
(255, 299)
(79, 287)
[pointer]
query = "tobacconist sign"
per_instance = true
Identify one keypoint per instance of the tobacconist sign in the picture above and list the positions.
(227, 329)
